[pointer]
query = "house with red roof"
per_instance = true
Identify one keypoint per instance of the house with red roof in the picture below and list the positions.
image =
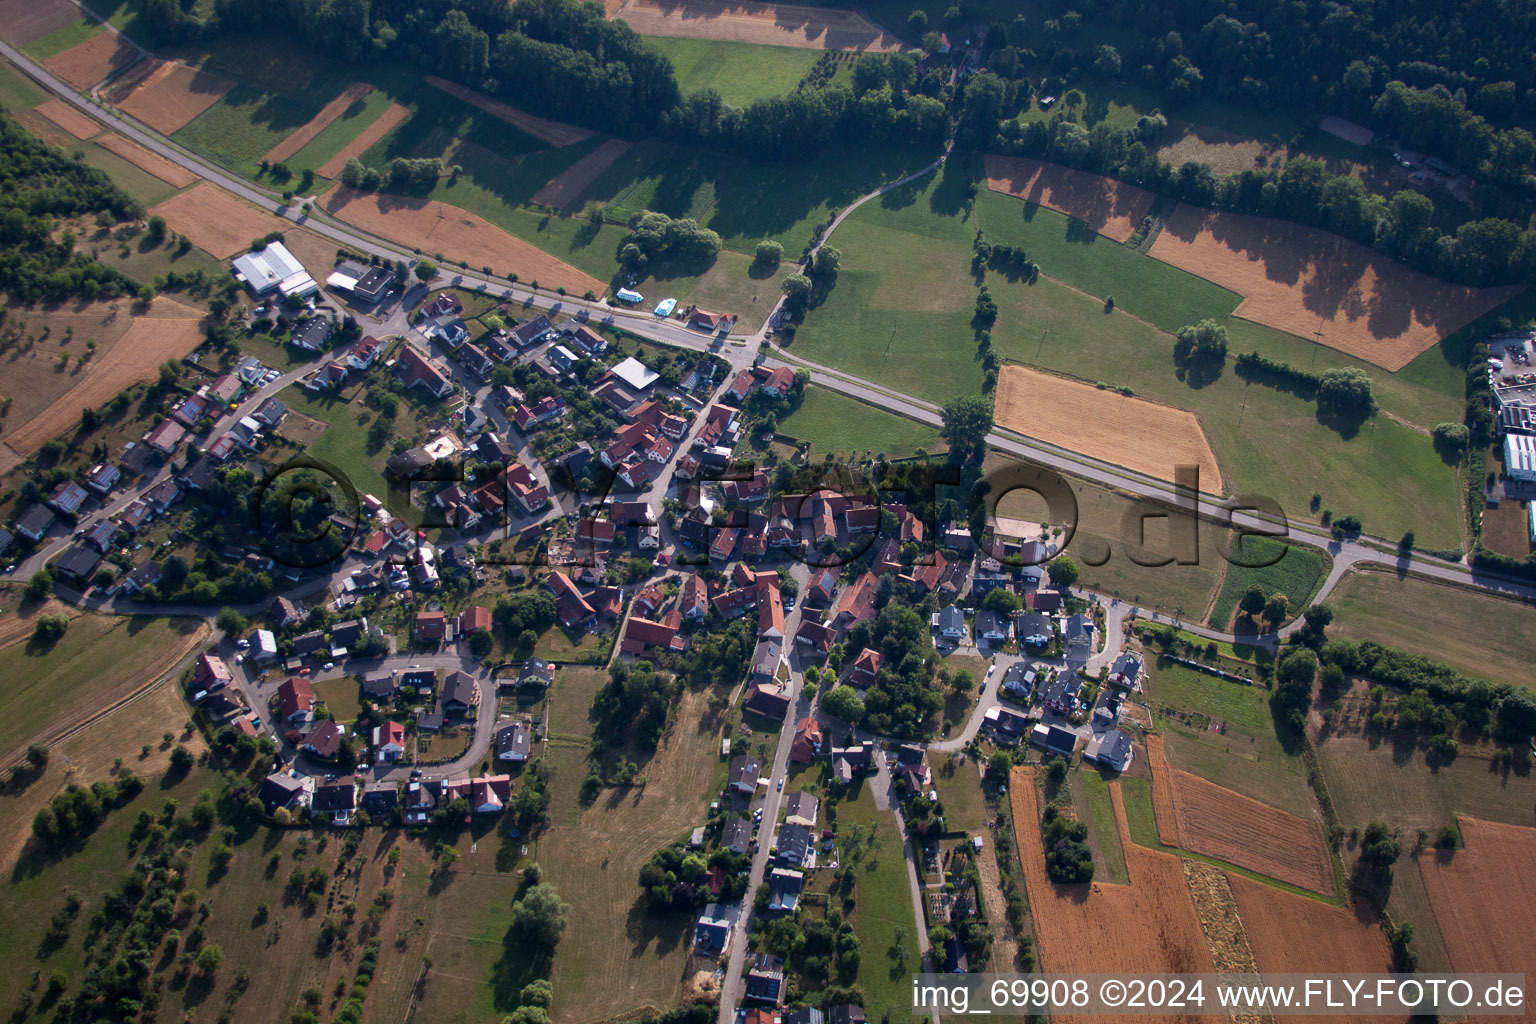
(295, 701)
(431, 626)
(856, 604)
(866, 668)
(770, 611)
(389, 742)
(571, 607)
(416, 370)
(807, 742)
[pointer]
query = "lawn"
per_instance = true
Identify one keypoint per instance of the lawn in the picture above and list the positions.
(1136, 795)
(342, 698)
(1475, 632)
(1183, 688)
(1296, 574)
(99, 660)
(557, 644)
(339, 132)
(17, 91)
(883, 921)
(959, 786)
(61, 39)
(739, 72)
(836, 424)
(1090, 797)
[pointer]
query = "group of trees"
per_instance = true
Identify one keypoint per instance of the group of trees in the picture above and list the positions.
(76, 812)
(905, 696)
(403, 174)
(635, 703)
(1068, 858)
(676, 879)
(657, 236)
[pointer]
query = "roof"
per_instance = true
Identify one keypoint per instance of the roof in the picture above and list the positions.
(460, 688)
(335, 796)
(325, 740)
(1112, 748)
(78, 561)
(265, 268)
(635, 373)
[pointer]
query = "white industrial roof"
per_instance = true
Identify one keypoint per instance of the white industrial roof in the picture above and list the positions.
(1520, 455)
(635, 373)
(342, 280)
(265, 268)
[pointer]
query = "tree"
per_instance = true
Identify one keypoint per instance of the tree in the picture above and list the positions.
(480, 642)
(769, 252)
(967, 422)
(962, 681)
(1000, 764)
(40, 586)
(426, 270)
(1056, 771)
(49, 627)
(844, 703)
(1253, 600)
(1201, 344)
(541, 914)
(1002, 601)
(1451, 438)
(1063, 571)
(825, 260)
(537, 992)
(1346, 391)
(1275, 608)
(797, 291)
(154, 230)
(1379, 847)
(231, 622)
(209, 960)
(181, 760)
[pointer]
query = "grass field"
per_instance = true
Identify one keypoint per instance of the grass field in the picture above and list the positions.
(341, 697)
(959, 786)
(1475, 632)
(1090, 796)
(1296, 574)
(836, 424)
(1188, 690)
(61, 39)
(884, 906)
(17, 91)
(739, 72)
(100, 659)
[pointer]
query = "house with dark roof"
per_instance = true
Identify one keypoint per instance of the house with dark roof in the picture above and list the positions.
(765, 979)
(536, 672)
(514, 742)
(744, 774)
(1126, 670)
(849, 763)
(1054, 740)
(794, 843)
(33, 523)
(736, 835)
(1018, 683)
(460, 693)
(1111, 749)
(991, 627)
(949, 622)
(768, 700)
(78, 562)
(285, 789)
(713, 929)
(1061, 696)
(801, 808)
(1034, 629)
(336, 800)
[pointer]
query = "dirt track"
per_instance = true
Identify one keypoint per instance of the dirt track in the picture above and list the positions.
(551, 133)
(154, 163)
(85, 64)
(435, 227)
(1320, 286)
(1110, 207)
(813, 28)
(564, 190)
(365, 140)
(70, 119)
(303, 135)
(1106, 425)
(217, 222)
(169, 94)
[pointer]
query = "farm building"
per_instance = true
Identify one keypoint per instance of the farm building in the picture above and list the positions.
(273, 268)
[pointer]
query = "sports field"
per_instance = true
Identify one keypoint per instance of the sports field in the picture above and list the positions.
(1317, 285)
(1480, 634)
(838, 425)
(1104, 425)
(743, 21)
(217, 222)
(739, 72)
(1109, 207)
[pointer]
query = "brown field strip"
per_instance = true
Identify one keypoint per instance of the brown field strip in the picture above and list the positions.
(1483, 899)
(217, 222)
(169, 94)
(70, 119)
(551, 133)
(381, 127)
(304, 134)
(1231, 827)
(168, 331)
(1112, 208)
(1320, 286)
(85, 64)
(144, 160)
(26, 21)
(1164, 810)
(1292, 934)
(812, 28)
(1149, 926)
(566, 188)
(1105, 425)
(435, 227)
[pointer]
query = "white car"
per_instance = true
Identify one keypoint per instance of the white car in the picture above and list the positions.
(329, 665)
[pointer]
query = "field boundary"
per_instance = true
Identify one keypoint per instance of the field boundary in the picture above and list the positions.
(552, 133)
(381, 126)
(1112, 208)
(305, 133)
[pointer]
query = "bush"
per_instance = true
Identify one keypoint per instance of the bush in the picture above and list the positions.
(1345, 391)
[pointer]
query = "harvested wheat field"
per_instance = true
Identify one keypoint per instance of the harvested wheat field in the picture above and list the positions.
(1317, 285)
(217, 222)
(1163, 806)
(435, 227)
(1231, 827)
(1147, 927)
(1110, 207)
(144, 160)
(1483, 899)
(551, 133)
(48, 398)
(1105, 425)
(168, 94)
(381, 127)
(71, 120)
(564, 190)
(813, 28)
(26, 21)
(1293, 934)
(304, 134)
(85, 64)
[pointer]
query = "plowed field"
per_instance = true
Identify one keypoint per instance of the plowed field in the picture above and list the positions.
(1148, 926)
(1105, 425)
(85, 64)
(302, 136)
(25, 21)
(217, 222)
(70, 119)
(769, 24)
(1483, 898)
(1110, 207)
(365, 139)
(154, 163)
(435, 227)
(1317, 285)
(168, 94)
(553, 133)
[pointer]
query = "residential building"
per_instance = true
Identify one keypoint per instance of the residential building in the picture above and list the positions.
(807, 742)
(514, 742)
(389, 741)
(336, 800)
(1111, 749)
(744, 773)
(801, 809)
(1054, 740)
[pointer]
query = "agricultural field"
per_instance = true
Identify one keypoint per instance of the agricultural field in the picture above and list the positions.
(1297, 573)
(166, 95)
(70, 119)
(172, 174)
(100, 659)
(26, 22)
(215, 221)
(1473, 631)
(884, 904)
(836, 424)
(814, 28)
(1478, 912)
(739, 72)
(91, 60)
(1091, 804)
(1107, 207)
